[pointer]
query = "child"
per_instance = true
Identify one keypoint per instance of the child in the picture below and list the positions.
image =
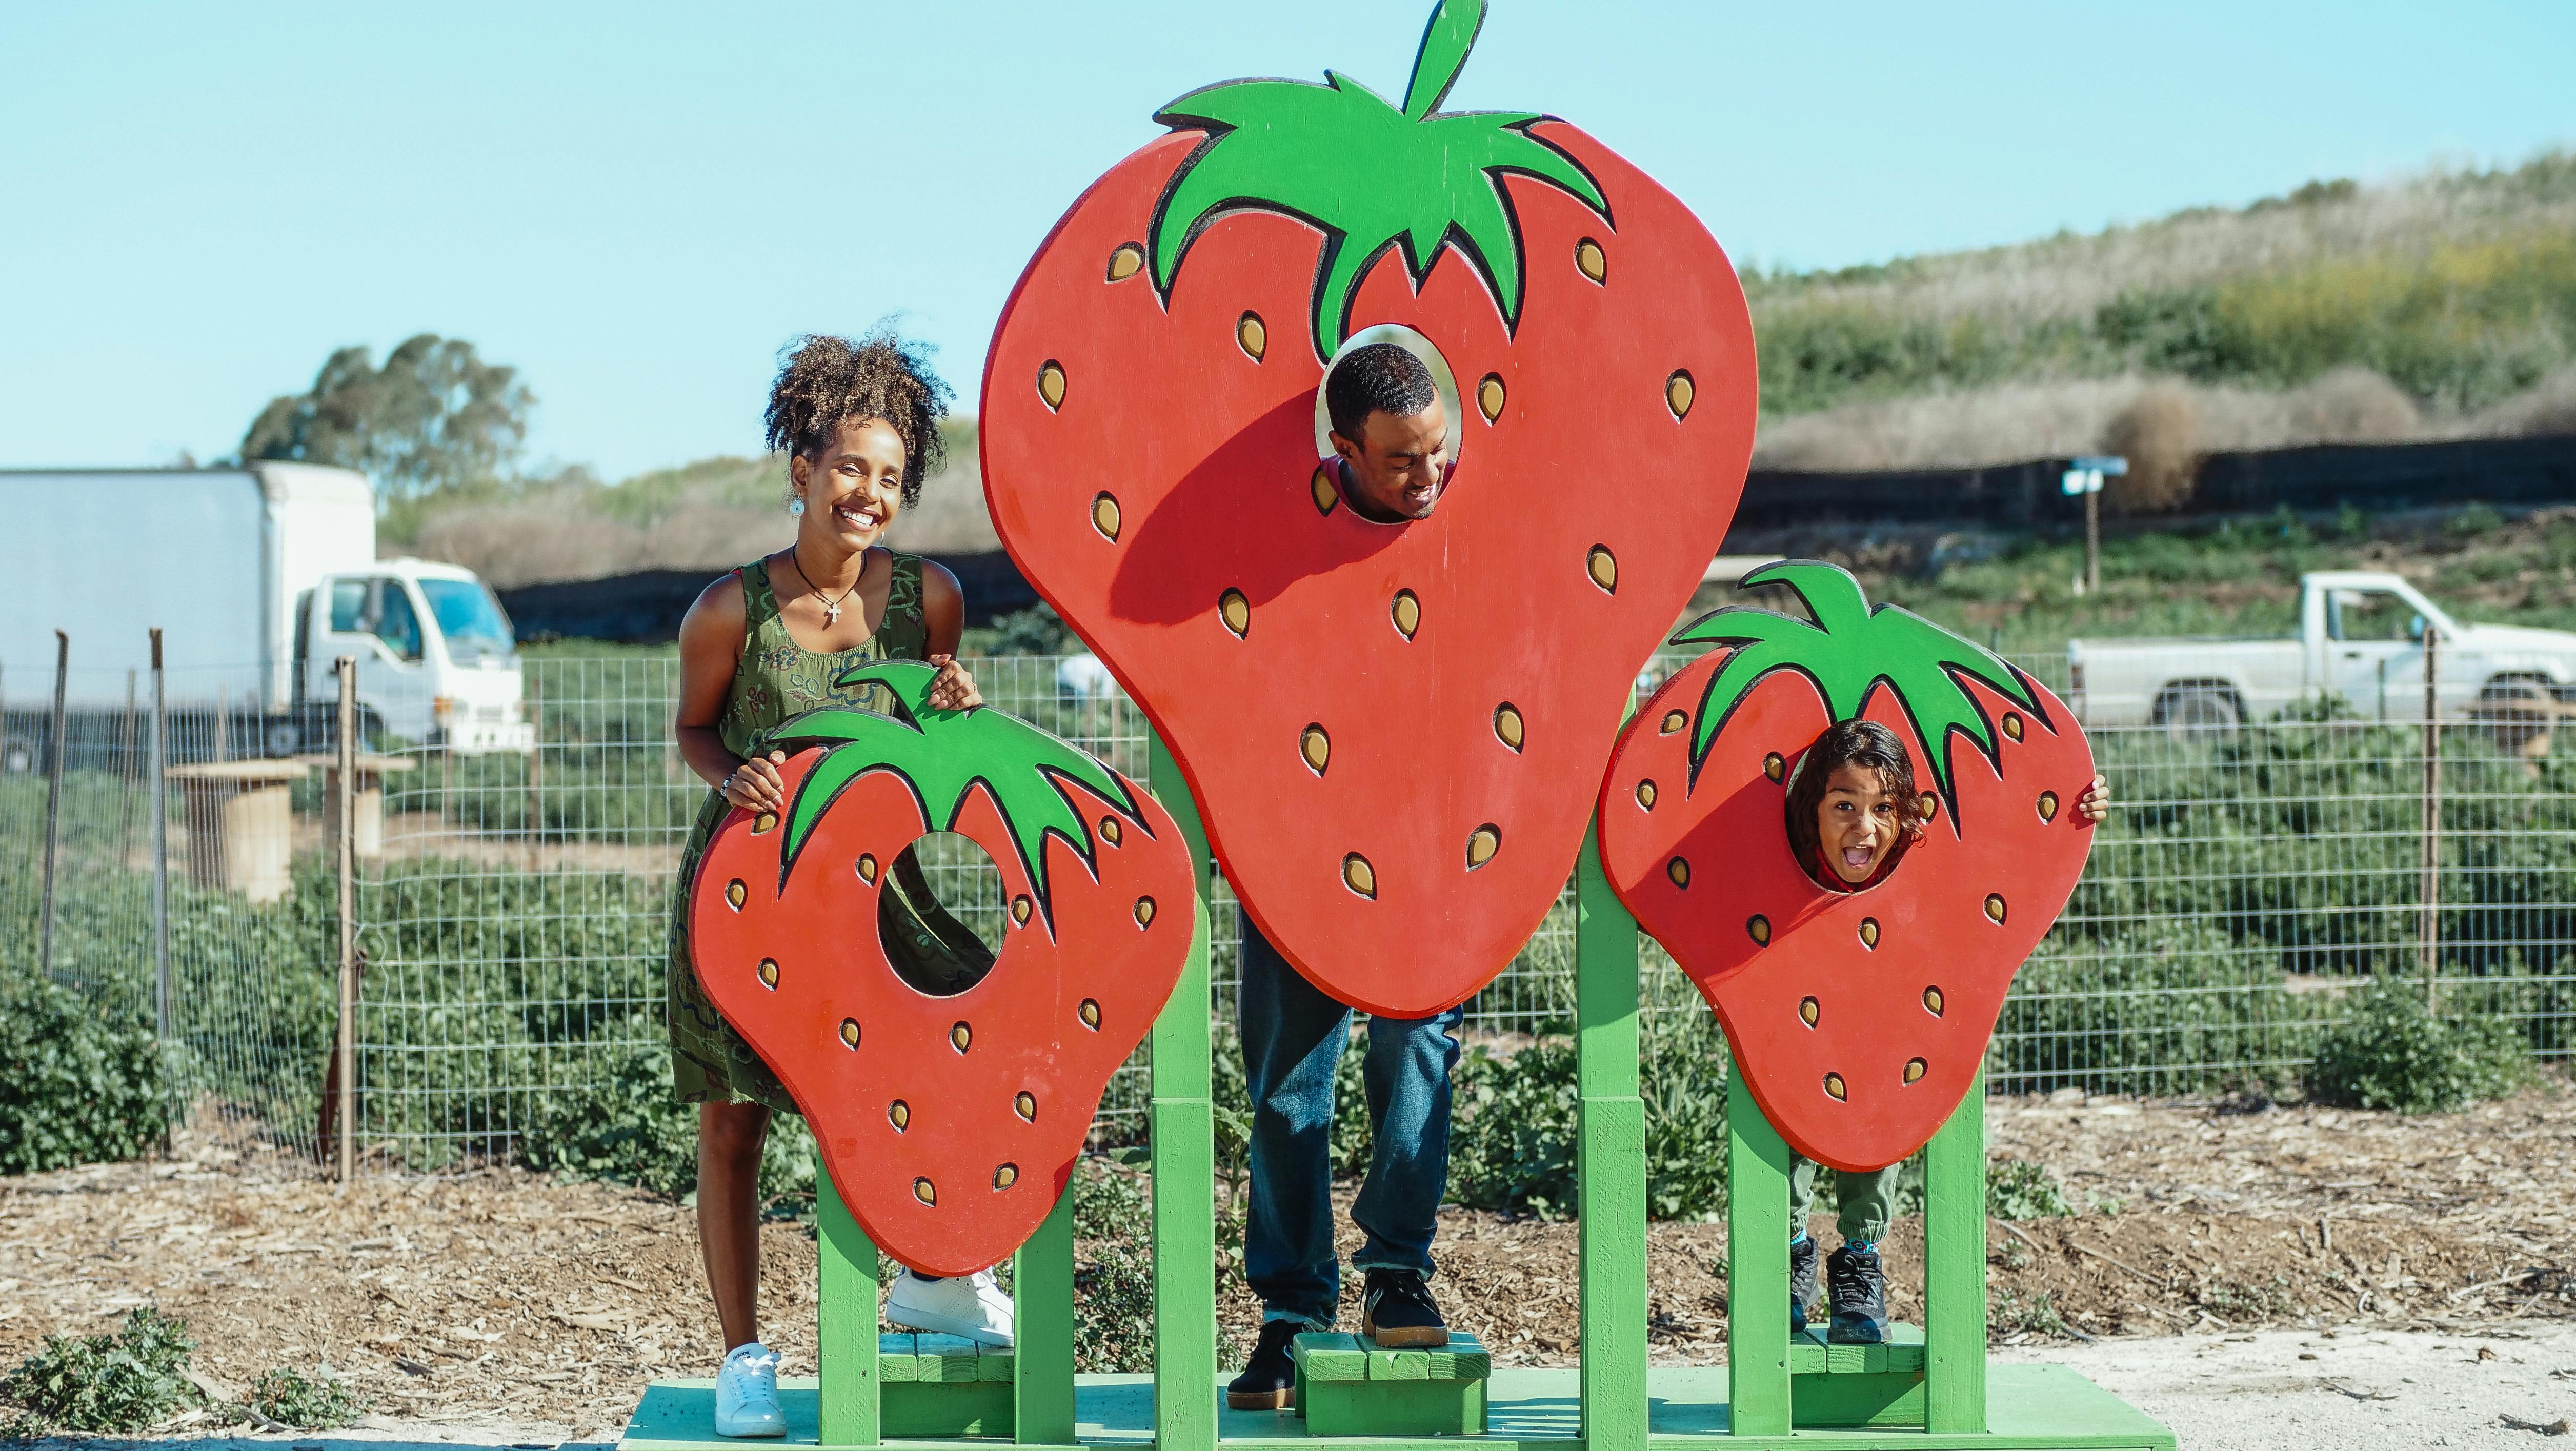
(1852, 818)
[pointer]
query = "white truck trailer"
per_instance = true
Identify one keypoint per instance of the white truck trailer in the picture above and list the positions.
(259, 578)
(2360, 638)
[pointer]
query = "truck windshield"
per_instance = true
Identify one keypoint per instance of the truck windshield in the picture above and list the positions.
(469, 617)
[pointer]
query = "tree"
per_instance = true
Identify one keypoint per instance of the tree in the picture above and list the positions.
(434, 417)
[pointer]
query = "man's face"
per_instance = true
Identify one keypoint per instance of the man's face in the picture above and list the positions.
(1398, 466)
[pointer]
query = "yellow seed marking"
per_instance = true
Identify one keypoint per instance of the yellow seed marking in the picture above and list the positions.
(1758, 927)
(1932, 1001)
(1589, 261)
(1235, 610)
(900, 1115)
(1126, 261)
(1316, 747)
(768, 972)
(1507, 725)
(1005, 1176)
(1995, 907)
(1109, 830)
(1605, 569)
(1090, 1013)
(734, 893)
(1646, 794)
(1926, 805)
(1051, 384)
(1406, 611)
(1251, 336)
(1914, 1069)
(1104, 517)
(1679, 871)
(960, 1037)
(1834, 1087)
(1359, 876)
(1020, 910)
(1489, 397)
(2048, 806)
(1673, 720)
(1027, 1106)
(1677, 394)
(1869, 932)
(1774, 766)
(2012, 725)
(1321, 485)
(868, 870)
(850, 1032)
(1482, 843)
(1809, 1011)
(765, 821)
(922, 1191)
(1144, 911)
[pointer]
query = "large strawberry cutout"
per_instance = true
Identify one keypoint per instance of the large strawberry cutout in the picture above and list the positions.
(949, 1124)
(1860, 1018)
(1394, 731)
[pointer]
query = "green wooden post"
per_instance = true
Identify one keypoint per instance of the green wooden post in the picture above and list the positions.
(1184, 1167)
(1954, 1269)
(1610, 1161)
(1757, 1265)
(845, 1353)
(1042, 1322)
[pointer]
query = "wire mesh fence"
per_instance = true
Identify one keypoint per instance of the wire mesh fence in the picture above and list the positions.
(514, 909)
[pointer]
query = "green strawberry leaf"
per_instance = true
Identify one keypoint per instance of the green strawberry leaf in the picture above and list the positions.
(1851, 650)
(940, 755)
(1367, 175)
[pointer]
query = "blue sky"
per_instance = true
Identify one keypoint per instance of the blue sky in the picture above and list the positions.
(637, 204)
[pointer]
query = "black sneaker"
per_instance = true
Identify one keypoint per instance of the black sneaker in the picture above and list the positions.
(1396, 1312)
(1269, 1382)
(1857, 1284)
(1802, 1281)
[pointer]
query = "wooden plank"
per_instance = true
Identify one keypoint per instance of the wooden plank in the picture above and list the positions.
(1042, 1364)
(944, 1359)
(1184, 1136)
(1954, 1270)
(1757, 1265)
(845, 1319)
(1330, 1355)
(1610, 1161)
(1392, 1365)
(996, 1366)
(1464, 1359)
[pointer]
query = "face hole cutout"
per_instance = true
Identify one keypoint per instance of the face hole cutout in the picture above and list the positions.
(1443, 382)
(942, 914)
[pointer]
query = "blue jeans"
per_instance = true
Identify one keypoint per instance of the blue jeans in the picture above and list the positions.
(1293, 1037)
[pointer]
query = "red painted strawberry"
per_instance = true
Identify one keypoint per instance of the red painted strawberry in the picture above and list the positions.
(1860, 1017)
(949, 1124)
(1394, 730)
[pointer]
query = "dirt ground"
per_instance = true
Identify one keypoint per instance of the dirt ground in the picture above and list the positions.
(508, 1299)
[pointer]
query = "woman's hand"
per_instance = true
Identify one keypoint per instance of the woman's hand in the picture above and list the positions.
(2095, 803)
(755, 784)
(953, 688)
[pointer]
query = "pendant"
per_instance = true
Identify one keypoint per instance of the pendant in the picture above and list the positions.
(831, 615)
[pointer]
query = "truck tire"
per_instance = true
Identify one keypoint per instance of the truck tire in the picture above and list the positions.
(2198, 713)
(2518, 711)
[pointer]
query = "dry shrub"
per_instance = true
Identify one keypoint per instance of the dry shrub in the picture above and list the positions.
(951, 517)
(531, 543)
(2007, 423)
(2547, 409)
(2159, 434)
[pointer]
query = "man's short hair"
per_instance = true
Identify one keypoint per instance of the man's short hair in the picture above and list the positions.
(1379, 378)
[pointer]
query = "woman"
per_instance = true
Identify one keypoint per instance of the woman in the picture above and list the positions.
(859, 422)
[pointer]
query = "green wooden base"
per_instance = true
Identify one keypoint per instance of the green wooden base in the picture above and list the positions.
(942, 1386)
(1348, 1386)
(1856, 1385)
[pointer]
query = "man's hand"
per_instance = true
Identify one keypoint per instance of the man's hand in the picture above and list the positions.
(2095, 803)
(755, 784)
(953, 688)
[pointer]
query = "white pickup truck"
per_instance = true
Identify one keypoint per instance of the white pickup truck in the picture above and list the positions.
(2361, 637)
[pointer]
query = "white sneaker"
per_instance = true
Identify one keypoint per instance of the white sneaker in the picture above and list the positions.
(968, 1305)
(747, 1393)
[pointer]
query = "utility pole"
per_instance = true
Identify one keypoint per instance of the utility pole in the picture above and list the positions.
(2084, 476)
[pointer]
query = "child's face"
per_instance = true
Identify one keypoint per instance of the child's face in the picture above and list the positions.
(1856, 822)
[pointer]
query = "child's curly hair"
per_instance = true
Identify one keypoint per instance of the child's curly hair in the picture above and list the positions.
(1872, 747)
(824, 382)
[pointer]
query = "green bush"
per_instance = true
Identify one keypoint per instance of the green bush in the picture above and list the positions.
(126, 1381)
(2392, 1052)
(76, 1086)
(2020, 1189)
(308, 1403)
(1113, 1329)
(622, 1124)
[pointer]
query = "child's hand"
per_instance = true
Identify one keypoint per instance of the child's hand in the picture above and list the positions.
(953, 688)
(755, 784)
(2095, 803)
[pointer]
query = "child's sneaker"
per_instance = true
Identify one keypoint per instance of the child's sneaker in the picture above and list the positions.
(968, 1305)
(1802, 1280)
(747, 1393)
(1857, 1284)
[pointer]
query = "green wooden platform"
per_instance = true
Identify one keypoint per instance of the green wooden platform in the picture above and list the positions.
(2028, 1408)
(1347, 1385)
(943, 1385)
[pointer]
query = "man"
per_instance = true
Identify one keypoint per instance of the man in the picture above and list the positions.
(1391, 434)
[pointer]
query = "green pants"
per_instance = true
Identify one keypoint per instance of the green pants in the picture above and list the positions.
(1863, 1197)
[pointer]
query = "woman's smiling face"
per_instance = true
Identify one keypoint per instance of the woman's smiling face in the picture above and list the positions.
(1857, 822)
(853, 487)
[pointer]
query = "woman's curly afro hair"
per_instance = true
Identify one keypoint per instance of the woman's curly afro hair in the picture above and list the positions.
(824, 382)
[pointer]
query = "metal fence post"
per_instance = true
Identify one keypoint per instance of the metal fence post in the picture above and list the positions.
(160, 845)
(53, 803)
(347, 1048)
(2431, 935)
(125, 775)
(535, 699)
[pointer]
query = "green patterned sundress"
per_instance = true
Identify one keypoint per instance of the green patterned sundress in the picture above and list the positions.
(777, 678)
